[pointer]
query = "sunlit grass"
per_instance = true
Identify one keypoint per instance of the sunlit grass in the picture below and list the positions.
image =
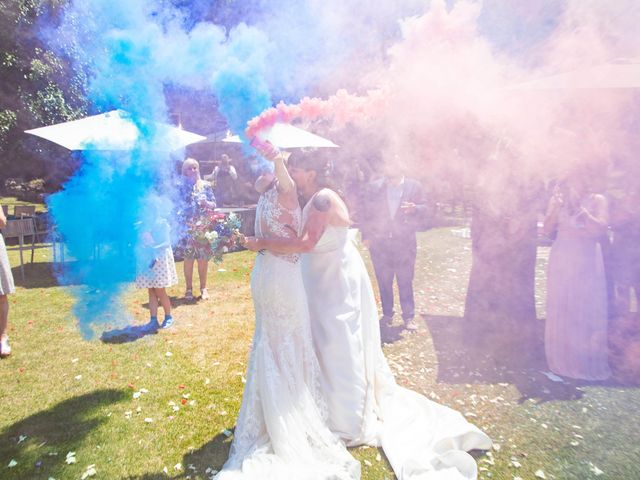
(61, 394)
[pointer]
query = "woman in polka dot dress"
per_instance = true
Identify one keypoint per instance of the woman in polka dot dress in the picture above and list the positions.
(157, 271)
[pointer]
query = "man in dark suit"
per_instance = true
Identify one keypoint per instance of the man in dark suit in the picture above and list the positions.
(394, 210)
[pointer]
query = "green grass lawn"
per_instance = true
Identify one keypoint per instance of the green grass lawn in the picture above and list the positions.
(164, 406)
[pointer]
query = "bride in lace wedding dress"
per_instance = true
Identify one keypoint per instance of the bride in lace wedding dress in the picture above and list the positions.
(422, 439)
(281, 431)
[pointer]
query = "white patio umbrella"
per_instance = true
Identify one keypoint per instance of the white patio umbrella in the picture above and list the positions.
(621, 74)
(115, 131)
(284, 135)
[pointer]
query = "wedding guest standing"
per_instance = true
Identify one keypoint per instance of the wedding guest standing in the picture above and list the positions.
(197, 201)
(393, 212)
(576, 327)
(225, 178)
(156, 266)
(6, 288)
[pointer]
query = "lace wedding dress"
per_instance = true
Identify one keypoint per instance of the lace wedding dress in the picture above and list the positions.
(281, 430)
(423, 440)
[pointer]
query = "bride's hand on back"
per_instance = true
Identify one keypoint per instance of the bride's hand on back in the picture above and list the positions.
(252, 243)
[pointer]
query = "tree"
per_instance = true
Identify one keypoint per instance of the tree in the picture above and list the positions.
(38, 88)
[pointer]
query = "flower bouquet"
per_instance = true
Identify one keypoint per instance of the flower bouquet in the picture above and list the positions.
(220, 232)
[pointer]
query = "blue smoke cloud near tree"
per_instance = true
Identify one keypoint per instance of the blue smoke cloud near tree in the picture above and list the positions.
(129, 52)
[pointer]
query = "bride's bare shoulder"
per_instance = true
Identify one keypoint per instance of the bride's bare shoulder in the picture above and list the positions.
(328, 201)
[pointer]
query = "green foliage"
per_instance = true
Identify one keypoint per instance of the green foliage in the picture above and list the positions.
(39, 87)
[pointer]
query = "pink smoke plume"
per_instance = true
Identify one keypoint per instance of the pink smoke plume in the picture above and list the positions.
(340, 108)
(445, 99)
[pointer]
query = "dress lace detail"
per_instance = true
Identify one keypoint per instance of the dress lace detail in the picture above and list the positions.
(281, 431)
(274, 220)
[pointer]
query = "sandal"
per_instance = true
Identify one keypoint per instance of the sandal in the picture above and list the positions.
(188, 295)
(204, 295)
(5, 348)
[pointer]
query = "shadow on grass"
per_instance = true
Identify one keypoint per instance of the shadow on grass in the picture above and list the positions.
(497, 352)
(200, 463)
(390, 333)
(59, 429)
(128, 334)
(177, 302)
(43, 275)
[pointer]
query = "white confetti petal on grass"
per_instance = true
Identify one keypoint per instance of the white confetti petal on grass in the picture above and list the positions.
(540, 474)
(165, 470)
(226, 433)
(75, 360)
(136, 395)
(144, 390)
(177, 467)
(497, 447)
(574, 443)
(207, 381)
(367, 463)
(22, 438)
(553, 377)
(148, 420)
(515, 464)
(89, 472)
(78, 377)
(168, 354)
(595, 470)
(175, 408)
(12, 463)
(221, 270)
(71, 458)
(128, 414)
(378, 457)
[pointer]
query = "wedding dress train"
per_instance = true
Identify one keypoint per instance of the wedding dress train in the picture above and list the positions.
(422, 439)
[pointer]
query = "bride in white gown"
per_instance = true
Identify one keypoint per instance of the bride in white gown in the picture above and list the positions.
(421, 439)
(281, 431)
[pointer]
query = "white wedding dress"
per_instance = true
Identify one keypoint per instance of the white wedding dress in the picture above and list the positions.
(421, 439)
(281, 431)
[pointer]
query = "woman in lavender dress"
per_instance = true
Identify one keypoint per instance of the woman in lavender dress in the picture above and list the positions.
(576, 326)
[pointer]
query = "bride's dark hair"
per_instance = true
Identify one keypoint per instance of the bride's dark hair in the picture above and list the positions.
(317, 160)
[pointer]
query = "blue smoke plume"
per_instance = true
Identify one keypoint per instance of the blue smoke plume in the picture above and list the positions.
(129, 52)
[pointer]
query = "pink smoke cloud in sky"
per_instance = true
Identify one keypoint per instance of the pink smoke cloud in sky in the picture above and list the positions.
(444, 96)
